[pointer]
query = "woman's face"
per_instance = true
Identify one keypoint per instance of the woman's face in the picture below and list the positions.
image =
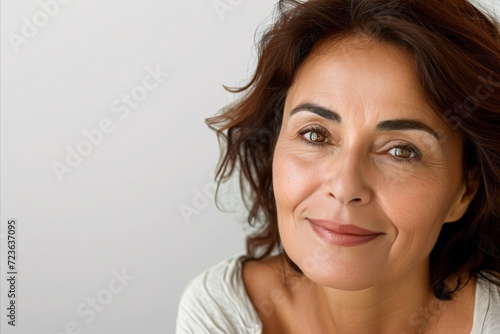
(365, 173)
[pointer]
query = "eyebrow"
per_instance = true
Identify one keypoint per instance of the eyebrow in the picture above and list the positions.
(318, 110)
(388, 125)
(405, 125)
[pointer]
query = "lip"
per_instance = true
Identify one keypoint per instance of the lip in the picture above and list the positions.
(342, 234)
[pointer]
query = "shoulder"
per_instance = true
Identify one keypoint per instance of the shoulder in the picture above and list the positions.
(263, 276)
(272, 288)
(488, 302)
(216, 302)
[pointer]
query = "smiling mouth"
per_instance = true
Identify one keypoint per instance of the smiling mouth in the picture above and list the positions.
(342, 234)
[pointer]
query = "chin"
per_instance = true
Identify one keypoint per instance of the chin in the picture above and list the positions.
(339, 278)
(348, 272)
(340, 281)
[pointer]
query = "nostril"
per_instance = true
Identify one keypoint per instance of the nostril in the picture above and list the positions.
(346, 192)
(353, 200)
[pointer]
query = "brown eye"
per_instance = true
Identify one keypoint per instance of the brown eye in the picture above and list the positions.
(315, 136)
(402, 153)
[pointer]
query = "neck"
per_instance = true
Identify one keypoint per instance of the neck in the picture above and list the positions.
(404, 305)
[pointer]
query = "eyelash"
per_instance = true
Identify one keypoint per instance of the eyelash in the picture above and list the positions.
(322, 131)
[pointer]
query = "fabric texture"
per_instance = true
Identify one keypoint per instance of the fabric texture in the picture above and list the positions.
(487, 308)
(216, 302)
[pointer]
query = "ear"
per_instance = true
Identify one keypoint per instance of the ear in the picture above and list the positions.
(467, 192)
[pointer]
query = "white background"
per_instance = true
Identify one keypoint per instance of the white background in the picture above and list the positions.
(120, 207)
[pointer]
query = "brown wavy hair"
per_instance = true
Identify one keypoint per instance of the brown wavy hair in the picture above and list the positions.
(456, 47)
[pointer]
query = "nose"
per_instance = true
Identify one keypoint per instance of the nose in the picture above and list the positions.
(347, 179)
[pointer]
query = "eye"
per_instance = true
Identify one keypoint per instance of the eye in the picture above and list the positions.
(402, 152)
(314, 135)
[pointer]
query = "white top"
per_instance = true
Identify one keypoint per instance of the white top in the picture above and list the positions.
(216, 302)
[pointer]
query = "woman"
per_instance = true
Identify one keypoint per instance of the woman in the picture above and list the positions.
(368, 150)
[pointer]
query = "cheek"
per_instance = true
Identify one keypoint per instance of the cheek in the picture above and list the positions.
(414, 196)
(416, 210)
(416, 202)
(293, 179)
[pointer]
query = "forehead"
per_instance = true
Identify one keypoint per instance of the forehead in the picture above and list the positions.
(360, 74)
